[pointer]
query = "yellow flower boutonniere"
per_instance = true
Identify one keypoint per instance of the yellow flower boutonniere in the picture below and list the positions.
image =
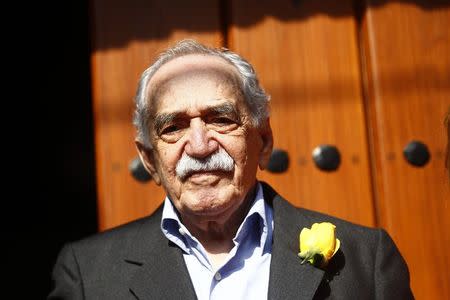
(318, 244)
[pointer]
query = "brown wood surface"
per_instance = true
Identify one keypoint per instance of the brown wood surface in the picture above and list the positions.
(407, 49)
(307, 57)
(126, 36)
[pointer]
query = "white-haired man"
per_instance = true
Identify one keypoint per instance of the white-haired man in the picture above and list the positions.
(203, 130)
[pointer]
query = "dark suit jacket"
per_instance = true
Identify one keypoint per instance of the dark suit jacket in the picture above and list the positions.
(136, 261)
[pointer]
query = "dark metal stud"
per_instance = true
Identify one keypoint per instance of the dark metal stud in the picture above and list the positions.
(279, 161)
(326, 157)
(416, 153)
(138, 170)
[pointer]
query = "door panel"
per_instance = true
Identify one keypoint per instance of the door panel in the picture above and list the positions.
(307, 57)
(126, 36)
(407, 49)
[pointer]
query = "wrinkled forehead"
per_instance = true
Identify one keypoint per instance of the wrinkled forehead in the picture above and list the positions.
(191, 66)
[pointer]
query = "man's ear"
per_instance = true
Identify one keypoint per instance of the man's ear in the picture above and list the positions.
(267, 144)
(148, 160)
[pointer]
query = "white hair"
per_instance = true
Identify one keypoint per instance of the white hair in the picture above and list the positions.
(217, 161)
(256, 98)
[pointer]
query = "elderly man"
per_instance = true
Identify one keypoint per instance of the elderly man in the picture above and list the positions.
(203, 130)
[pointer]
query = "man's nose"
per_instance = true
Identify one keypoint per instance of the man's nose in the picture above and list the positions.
(199, 143)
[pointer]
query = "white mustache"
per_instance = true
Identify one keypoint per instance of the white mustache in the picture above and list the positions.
(218, 161)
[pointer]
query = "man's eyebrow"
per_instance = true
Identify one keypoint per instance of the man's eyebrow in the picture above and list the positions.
(224, 109)
(162, 119)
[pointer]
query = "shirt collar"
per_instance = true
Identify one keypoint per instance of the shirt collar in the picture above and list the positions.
(260, 214)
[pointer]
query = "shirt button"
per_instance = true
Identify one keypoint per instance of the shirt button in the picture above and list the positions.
(181, 231)
(217, 276)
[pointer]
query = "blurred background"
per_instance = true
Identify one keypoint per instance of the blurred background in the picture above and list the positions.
(359, 93)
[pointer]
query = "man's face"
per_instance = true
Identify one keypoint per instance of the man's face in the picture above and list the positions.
(197, 110)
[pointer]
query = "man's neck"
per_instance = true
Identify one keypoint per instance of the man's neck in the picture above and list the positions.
(217, 237)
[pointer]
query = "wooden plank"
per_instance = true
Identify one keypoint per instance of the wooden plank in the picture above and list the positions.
(126, 36)
(407, 48)
(306, 53)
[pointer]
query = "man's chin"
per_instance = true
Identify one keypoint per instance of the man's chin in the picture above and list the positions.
(208, 209)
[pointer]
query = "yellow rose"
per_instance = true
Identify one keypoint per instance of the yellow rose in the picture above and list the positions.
(318, 244)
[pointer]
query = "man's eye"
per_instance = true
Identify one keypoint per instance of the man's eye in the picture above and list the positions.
(223, 120)
(170, 129)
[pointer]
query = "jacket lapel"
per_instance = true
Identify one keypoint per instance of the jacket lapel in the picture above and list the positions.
(288, 278)
(161, 271)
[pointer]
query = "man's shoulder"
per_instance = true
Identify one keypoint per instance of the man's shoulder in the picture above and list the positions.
(110, 257)
(359, 243)
(366, 255)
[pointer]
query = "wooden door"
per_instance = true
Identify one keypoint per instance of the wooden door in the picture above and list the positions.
(126, 36)
(307, 56)
(407, 50)
(368, 88)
